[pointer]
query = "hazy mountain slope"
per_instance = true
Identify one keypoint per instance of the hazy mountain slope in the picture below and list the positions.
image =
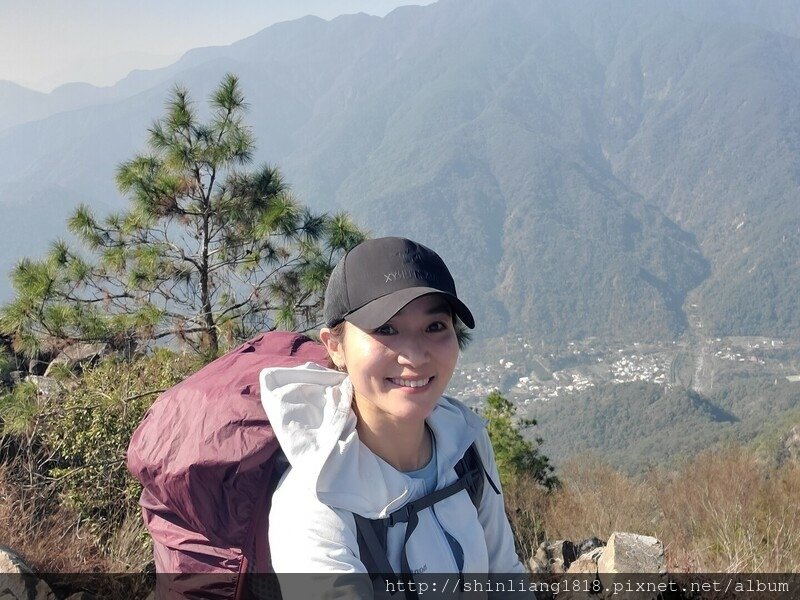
(20, 105)
(446, 143)
(715, 146)
(656, 101)
(779, 16)
(583, 167)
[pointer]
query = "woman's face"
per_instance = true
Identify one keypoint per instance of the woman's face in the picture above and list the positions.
(400, 370)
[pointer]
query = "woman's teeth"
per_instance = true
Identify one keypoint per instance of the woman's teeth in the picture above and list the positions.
(410, 383)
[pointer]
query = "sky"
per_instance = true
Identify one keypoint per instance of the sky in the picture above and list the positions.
(46, 43)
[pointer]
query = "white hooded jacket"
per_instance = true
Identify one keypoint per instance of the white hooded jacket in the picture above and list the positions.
(333, 475)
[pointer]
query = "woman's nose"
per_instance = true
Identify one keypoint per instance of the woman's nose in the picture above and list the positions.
(413, 352)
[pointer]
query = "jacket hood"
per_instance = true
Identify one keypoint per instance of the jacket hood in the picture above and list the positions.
(309, 410)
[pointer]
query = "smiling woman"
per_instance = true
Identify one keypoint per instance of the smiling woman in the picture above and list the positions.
(386, 473)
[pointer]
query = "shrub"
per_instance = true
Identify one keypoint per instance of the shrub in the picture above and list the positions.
(515, 455)
(89, 431)
(7, 364)
(525, 474)
(526, 506)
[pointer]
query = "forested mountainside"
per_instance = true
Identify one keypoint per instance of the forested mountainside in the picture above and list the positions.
(588, 169)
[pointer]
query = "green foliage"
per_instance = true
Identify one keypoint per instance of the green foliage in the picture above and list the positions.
(516, 456)
(208, 253)
(88, 431)
(7, 363)
(18, 408)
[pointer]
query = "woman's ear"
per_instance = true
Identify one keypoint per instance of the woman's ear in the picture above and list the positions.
(333, 344)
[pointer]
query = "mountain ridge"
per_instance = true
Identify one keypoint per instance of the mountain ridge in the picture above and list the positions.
(585, 172)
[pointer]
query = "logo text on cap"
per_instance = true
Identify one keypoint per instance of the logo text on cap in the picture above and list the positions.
(409, 274)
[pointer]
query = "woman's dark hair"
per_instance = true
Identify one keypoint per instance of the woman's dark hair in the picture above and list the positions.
(463, 334)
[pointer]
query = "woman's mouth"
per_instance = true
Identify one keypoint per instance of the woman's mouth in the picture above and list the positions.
(410, 383)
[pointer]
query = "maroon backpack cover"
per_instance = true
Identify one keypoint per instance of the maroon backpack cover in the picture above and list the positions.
(203, 455)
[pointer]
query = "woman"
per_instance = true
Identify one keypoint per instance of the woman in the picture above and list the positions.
(377, 434)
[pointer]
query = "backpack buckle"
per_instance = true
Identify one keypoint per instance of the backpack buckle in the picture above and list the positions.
(401, 515)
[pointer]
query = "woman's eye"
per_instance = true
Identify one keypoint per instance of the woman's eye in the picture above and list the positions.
(437, 326)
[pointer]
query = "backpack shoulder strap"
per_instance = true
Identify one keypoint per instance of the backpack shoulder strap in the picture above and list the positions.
(372, 533)
(471, 466)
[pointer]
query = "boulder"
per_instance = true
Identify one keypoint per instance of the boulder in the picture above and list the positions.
(17, 580)
(628, 554)
(77, 356)
(632, 553)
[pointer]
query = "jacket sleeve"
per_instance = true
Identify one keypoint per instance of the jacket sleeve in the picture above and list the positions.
(503, 559)
(314, 547)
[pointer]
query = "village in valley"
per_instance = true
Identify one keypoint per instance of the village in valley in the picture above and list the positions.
(527, 372)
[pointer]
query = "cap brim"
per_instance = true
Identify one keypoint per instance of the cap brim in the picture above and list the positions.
(374, 314)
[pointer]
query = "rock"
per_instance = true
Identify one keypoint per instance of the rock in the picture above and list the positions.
(77, 355)
(17, 580)
(632, 553)
(541, 553)
(556, 556)
(563, 551)
(10, 562)
(46, 385)
(587, 562)
(37, 367)
(535, 566)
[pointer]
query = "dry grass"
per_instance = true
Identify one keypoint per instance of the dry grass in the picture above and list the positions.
(129, 549)
(729, 511)
(50, 537)
(724, 511)
(596, 500)
(47, 535)
(526, 504)
(52, 540)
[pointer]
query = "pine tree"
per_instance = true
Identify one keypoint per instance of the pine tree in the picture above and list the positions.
(208, 252)
(514, 454)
